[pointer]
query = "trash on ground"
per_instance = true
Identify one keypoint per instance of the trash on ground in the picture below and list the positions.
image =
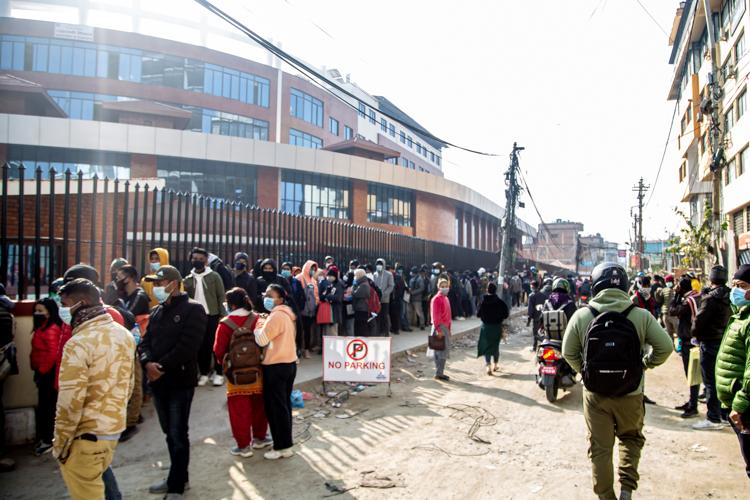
(320, 415)
(698, 448)
(410, 360)
(537, 489)
(490, 467)
(307, 396)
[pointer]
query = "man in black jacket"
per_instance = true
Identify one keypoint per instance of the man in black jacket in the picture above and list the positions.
(244, 279)
(7, 324)
(169, 352)
(397, 296)
(269, 273)
(708, 328)
(537, 298)
(684, 306)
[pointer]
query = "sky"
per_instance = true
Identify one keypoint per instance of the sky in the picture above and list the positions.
(582, 86)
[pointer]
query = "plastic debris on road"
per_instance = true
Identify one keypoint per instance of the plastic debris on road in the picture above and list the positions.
(698, 448)
(537, 489)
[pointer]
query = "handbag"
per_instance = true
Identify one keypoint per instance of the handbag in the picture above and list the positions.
(694, 376)
(325, 314)
(407, 297)
(434, 343)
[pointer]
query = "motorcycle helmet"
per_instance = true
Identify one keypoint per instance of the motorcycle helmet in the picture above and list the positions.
(55, 285)
(609, 275)
(533, 269)
(561, 285)
(547, 281)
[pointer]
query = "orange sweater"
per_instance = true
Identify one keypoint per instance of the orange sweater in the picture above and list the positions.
(279, 333)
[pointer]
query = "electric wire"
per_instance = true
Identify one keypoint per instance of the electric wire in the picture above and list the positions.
(654, 20)
(664, 154)
(536, 209)
(317, 77)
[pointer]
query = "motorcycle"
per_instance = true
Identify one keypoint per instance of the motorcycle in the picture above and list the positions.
(584, 301)
(554, 372)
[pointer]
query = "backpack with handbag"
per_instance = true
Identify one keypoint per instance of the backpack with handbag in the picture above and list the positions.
(612, 354)
(242, 361)
(310, 309)
(554, 321)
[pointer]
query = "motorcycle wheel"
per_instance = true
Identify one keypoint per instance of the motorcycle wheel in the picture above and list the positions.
(551, 391)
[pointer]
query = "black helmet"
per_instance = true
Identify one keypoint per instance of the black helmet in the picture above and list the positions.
(609, 275)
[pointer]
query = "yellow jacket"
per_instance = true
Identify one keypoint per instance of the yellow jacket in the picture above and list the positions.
(148, 286)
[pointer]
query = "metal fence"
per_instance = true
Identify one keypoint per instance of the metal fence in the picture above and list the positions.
(54, 221)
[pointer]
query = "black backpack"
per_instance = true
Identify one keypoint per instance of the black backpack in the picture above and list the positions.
(612, 354)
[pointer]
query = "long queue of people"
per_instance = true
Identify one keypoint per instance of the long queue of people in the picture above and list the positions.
(102, 351)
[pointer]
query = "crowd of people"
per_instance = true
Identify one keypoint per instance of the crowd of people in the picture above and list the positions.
(101, 354)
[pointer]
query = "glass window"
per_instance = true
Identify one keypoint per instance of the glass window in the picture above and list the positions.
(729, 120)
(739, 48)
(213, 179)
(437, 160)
(411, 165)
(731, 172)
(298, 138)
(743, 158)
(402, 137)
(389, 205)
(306, 107)
(741, 104)
(421, 169)
(383, 125)
(408, 141)
(318, 195)
(361, 110)
(419, 148)
(372, 117)
(739, 222)
(103, 164)
(392, 130)
(404, 162)
(333, 126)
(432, 157)
(348, 133)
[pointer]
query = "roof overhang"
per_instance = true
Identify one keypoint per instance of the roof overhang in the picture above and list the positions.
(352, 146)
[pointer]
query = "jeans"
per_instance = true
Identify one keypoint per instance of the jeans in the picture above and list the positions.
(206, 350)
(419, 319)
(278, 381)
(173, 408)
(473, 301)
(709, 353)
(744, 444)
(349, 327)
(685, 353)
(111, 489)
(496, 356)
(404, 314)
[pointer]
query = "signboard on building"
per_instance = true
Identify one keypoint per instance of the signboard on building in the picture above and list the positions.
(74, 32)
(743, 242)
(351, 359)
(588, 263)
(622, 253)
(634, 262)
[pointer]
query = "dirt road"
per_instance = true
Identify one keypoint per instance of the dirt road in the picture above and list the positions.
(419, 440)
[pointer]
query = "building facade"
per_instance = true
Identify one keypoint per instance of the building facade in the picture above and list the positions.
(691, 58)
(557, 243)
(122, 103)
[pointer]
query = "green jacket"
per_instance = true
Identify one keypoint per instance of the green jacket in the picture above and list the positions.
(733, 365)
(648, 328)
(213, 291)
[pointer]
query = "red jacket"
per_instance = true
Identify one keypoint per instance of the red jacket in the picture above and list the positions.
(44, 346)
(67, 332)
(224, 336)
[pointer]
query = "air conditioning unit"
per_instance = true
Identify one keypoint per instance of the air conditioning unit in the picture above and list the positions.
(730, 71)
(699, 117)
(724, 35)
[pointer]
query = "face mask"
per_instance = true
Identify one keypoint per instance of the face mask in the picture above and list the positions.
(444, 291)
(354, 281)
(400, 271)
(198, 265)
(239, 266)
(312, 271)
(269, 276)
(738, 297)
(39, 319)
(328, 264)
(66, 315)
(435, 271)
(352, 269)
(286, 273)
(268, 303)
(113, 276)
(160, 293)
(121, 285)
(155, 266)
(379, 268)
(670, 285)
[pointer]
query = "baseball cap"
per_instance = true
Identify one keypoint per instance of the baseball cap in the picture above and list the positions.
(164, 273)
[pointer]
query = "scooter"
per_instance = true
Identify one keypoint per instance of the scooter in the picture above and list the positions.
(584, 301)
(554, 372)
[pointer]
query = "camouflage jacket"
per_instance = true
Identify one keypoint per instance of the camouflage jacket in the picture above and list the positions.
(484, 282)
(96, 381)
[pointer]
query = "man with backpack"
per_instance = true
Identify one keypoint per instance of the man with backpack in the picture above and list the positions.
(611, 333)
(534, 313)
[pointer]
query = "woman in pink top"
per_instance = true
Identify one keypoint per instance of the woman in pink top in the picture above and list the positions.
(440, 309)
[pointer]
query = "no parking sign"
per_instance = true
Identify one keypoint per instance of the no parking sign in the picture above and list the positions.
(354, 359)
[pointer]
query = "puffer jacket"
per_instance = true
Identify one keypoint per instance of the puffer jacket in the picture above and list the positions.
(713, 316)
(45, 342)
(732, 368)
(665, 294)
(684, 306)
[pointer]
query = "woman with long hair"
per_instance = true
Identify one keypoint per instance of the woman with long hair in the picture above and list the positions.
(279, 366)
(247, 413)
(45, 342)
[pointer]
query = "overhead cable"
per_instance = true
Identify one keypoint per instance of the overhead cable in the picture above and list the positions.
(313, 74)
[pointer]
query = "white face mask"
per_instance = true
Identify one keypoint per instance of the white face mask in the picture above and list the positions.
(444, 291)
(66, 314)
(160, 293)
(670, 284)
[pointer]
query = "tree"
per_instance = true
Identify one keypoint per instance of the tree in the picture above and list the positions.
(695, 245)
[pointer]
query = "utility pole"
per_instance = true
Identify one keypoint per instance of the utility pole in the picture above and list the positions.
(508, 248)
(641, 189)
(710, 106)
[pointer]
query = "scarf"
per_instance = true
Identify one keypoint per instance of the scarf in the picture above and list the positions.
(84, 314)
(558, 299)
(200, 287)
(690, 299)
(645, 293)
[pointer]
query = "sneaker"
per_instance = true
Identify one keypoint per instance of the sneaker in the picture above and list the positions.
(128, 433)
(260, 444)
(421, 328)
(707, 425)
(245, 452)
(43, 448)
(407, 329)
(702, 396)
(203, 380)
(218, 380)
(690, 413)
(277, 454)
(682, 407)
(163, 488)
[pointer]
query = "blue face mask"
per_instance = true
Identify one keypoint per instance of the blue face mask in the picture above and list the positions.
(738, 297)
(312, 272)
(435, 271)
(268, 303)
(239, 266)
(400, 271)
(354, 281)
(379, 268)
(286, 273)
(155, 266)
